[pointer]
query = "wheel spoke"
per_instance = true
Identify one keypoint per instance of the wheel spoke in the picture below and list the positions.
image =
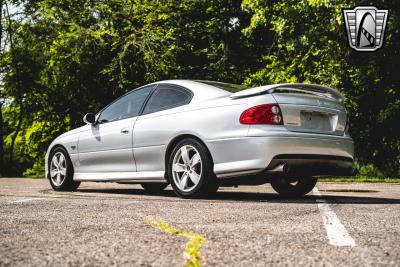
(55, 161)
(63, 171)
(58, 180)
(185, 154)
(194, 177)
(61, 160)
(53, 173)
(177, 167)
(183, 181)
(195, 160)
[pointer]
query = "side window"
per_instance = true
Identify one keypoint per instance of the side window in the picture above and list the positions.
(166, 97)
(125, 107)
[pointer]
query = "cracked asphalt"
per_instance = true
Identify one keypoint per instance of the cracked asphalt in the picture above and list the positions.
(104, 224)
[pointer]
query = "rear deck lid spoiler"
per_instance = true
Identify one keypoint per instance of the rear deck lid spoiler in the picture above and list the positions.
(313, 89)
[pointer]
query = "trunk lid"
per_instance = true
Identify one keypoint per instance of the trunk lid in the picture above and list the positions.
(311, 114)
(306, 108)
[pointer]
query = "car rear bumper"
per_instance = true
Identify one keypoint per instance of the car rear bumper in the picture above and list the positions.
(313, 165)
(322, 154)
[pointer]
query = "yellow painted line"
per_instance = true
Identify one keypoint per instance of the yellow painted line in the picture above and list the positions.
(193, 247)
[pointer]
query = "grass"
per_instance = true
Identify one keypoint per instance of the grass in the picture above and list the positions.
(193, 247)
(361, 179)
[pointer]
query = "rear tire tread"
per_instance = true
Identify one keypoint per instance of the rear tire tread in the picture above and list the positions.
(286, 189)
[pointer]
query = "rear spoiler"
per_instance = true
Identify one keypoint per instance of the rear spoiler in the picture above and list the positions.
(313, 89)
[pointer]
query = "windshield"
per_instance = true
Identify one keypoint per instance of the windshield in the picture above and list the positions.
(233, 88)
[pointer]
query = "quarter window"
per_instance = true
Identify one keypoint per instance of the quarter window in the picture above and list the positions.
(125, 107)
(166, 97)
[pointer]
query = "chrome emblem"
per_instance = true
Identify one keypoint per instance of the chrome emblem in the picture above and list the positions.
(365, 27)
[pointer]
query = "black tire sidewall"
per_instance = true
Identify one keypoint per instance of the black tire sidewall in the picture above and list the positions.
(207, 183)
(303, 186)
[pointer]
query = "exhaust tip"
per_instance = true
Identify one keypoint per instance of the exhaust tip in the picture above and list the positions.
(281, 168)
(285, 168)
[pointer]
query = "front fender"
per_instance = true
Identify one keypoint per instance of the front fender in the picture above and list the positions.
(69, 141)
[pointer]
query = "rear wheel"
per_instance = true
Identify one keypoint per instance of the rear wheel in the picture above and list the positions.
(154, 187)
(190, 170)
(293, 187)
(61, 172)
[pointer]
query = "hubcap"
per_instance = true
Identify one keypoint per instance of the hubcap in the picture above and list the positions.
(58, 169)
(186, 168)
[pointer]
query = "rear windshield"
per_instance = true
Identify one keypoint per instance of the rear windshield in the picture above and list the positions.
(233, 88)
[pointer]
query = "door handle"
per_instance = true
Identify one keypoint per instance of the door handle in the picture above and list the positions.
(124, 131)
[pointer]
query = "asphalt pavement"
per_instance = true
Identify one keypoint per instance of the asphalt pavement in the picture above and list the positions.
(102, 224)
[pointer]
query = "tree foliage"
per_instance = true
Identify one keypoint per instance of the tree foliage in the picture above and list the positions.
(62, 59)
(310, 45)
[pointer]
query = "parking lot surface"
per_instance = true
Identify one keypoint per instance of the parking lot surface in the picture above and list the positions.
(339, 224)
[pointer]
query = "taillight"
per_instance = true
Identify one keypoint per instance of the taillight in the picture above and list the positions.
(262, 114)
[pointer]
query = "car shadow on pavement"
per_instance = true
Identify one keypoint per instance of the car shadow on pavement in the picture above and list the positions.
(350, 198)
(275, 198)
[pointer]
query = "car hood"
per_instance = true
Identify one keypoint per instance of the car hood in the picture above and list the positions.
(71, 132)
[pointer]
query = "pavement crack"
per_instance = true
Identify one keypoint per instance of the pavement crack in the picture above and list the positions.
(193, 246)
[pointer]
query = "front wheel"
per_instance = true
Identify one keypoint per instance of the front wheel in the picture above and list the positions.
(190, 170)
(297, 187)
(61, 172)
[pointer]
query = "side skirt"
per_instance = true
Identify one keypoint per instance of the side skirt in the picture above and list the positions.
(135, 177)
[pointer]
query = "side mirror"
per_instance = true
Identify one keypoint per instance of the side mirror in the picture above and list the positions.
(89, 118)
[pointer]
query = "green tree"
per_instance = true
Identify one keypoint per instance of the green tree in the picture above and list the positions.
(62, 59)
(71, 57)
(310, 45)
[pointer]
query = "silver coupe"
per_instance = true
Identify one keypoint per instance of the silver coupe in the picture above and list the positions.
(199, 135)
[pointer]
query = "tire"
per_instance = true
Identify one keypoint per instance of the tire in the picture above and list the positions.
(61, 176)
(192, 175)
(286, 188)
(154, 187)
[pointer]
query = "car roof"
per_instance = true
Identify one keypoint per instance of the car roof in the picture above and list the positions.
(200, 90)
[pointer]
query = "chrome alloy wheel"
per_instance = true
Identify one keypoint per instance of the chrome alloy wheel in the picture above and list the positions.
(58, 169)
(187, 168)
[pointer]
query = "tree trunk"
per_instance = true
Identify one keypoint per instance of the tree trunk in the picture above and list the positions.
(17, 129)
(2, 173)
(19, 97)
(1, 141)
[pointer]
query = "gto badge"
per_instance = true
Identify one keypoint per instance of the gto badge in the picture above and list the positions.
(365, 27)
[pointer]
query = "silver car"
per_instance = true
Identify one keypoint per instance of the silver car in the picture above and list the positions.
(199, 135)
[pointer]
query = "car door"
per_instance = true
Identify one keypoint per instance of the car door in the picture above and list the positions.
(154, 128)
(107, 145)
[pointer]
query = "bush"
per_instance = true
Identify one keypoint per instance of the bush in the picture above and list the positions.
(368, 170)
(37, 170)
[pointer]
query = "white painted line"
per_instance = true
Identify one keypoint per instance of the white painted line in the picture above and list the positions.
(337, 233)
(26, 200)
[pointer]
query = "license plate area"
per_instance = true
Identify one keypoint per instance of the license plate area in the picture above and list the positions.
(314, 120)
